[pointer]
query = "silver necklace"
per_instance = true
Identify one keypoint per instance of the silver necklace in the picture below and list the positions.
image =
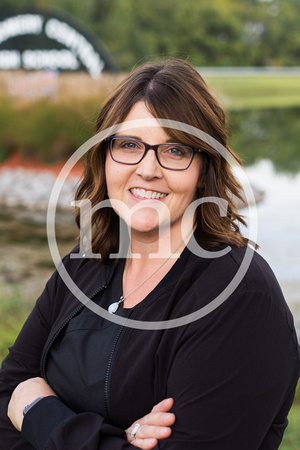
(113, 307)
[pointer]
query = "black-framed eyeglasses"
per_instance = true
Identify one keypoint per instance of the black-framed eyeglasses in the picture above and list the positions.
(173, 156)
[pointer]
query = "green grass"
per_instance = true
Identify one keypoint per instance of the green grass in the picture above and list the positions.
(43, 129)
(258, 92)
(291, 440)
(13, 313)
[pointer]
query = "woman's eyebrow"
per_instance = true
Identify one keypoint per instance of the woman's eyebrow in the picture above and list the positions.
(168, 141)
(127, 136)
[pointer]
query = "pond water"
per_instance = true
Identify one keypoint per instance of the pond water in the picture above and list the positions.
(268, 142)
(279, 224)
(267, 134)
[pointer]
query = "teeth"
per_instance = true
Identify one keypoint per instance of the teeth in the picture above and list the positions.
(142, 193)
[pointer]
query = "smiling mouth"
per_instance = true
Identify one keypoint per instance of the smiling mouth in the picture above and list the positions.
(142, 193)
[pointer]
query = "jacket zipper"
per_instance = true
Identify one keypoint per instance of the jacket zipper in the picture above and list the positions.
(74, 313)
(107, 376)
(108, 370)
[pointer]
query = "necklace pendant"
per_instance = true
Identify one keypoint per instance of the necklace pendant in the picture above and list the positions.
(113, 308)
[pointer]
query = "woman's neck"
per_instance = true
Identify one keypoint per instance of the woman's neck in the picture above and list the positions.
(148, 247)
(147, 266)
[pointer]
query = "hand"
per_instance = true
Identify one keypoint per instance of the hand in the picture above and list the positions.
(24, 394)
(153, 426)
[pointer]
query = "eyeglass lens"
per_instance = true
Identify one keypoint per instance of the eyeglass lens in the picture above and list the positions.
(171, 156)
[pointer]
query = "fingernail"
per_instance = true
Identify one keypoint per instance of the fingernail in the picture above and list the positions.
(170, 419)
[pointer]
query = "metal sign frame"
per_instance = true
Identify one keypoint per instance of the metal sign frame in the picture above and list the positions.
(41, 39)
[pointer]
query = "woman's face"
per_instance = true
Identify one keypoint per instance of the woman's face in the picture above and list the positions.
(134, 184)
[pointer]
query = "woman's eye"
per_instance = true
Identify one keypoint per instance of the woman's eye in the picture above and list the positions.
(129, 144)
(176, 151)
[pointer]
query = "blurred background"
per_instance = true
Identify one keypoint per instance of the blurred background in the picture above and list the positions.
(60, 59)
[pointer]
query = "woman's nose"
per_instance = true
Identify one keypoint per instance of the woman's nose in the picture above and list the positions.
(149, 167)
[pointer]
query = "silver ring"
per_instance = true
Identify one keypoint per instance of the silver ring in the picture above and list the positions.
(134, 430)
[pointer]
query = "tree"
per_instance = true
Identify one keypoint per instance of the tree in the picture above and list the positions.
(209, 33)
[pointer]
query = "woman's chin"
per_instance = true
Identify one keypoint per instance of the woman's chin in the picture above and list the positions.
(143, 222)
(145, 226)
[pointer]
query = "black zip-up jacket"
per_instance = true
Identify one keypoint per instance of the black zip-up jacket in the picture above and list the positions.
(232, 373)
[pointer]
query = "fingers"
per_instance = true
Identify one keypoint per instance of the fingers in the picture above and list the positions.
(151, 431)
(159, 415)
(158, 419)
(145, 444)
(164, 405)
(147, 436)
(156, 425)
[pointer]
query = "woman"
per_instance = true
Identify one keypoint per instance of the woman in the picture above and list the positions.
(75, 380)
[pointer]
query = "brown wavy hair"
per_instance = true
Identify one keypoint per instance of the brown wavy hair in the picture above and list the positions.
(172, 89)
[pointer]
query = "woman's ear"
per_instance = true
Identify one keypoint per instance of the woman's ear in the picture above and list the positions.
(202, 175)
(200, 182)
(200, 189)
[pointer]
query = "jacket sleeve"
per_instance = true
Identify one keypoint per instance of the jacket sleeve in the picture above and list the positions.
(233, 378)
(52, 425)
(49, 424)
(23, 362)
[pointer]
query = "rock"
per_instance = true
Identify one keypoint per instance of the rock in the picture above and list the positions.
(26, 193)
